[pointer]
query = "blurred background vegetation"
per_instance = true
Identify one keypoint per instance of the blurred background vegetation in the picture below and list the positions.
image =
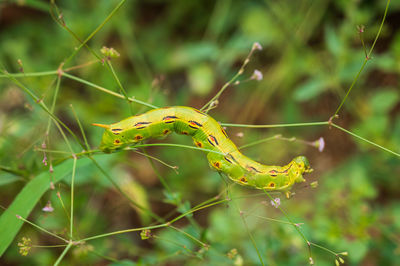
(181, 53)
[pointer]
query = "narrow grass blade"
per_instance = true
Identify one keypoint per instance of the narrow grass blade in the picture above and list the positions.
(27, 199)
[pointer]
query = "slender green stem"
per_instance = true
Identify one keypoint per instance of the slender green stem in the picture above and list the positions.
(84, 43)
(258, 142)
(364, 139)
(154, 226)
(175, 145)
(13, 171)
(53, 104)
(80, 127)
(188, 235)
(247, 230)
(160, 177)
(324, 248)
(270, 219)
(33, 74)
(351, 86)
(276, 125)
(51, 246)
(72, 199)
(174, 243)
(63, 206)
(365, 60)
(158, 160)
(57, 121)
(120, 85)
(380, 28)
(196, 209)
(124, 231)
(106, 90)
(63, 254)
(155, 216)
(41, 228)
(293, 224)
(209, 105)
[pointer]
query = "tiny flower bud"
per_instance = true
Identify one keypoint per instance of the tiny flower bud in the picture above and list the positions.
(257, 75)
(320, 144)
(44, 160)
(145, 234)
(240, 134)
(276, 202)
(314, 184)
(48, 207)
(257, 46)
(109, 52)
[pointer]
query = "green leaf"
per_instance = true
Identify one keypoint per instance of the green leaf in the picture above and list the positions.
(310, 89)
(8, 178)
(27, 199)
(383, 101)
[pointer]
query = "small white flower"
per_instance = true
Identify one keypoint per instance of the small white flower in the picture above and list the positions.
(320, 144)
(48, 207)
(257, 75)
(276, 202)
(257, 46)
(239, 134)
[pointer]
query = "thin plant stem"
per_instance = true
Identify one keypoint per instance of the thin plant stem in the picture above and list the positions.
(80, 127)
(364, 139)
(247, 230)
(209, 105)
(120, 85)
(175, 145)
(188, 235)
(150, 213)
(63, 206)
(294, 225)
(158, 160)
(65, 251)
(72, 198)
(270, 219)
(33, 74)
(51, 246)
(365, 60)
(258, 142)
(84, 43)
(107, 91)
(276, 125)
(42, 229)
(124, 231)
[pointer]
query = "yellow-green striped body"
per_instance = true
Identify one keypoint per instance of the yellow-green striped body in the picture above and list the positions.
(222, 153)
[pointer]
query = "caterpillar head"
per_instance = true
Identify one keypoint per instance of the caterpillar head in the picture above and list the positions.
(109, 141)
(303, 166)
(303, 163)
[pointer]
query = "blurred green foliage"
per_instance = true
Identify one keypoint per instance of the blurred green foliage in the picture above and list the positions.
(180, 53)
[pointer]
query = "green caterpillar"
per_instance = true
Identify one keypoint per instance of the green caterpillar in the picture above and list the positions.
(208, 134)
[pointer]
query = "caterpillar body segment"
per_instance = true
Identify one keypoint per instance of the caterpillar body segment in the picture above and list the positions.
(207, 134)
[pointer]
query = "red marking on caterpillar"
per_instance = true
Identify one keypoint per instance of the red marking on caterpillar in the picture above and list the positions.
(194, 124)
(140, 125)
(253, 169)
(214, 139)
(169, 119)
